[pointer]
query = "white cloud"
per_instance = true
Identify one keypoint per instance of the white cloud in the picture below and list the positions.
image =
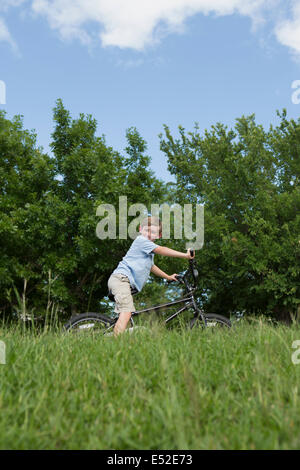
(6, 36)
(288, 32)
(5, 4)
(138, 24)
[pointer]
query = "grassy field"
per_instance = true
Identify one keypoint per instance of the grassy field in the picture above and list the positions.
(154, 389)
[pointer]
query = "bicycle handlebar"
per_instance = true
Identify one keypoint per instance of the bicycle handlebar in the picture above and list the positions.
(180, 278)
(183, 278)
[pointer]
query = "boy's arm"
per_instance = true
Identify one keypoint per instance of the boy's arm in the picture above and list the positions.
(165, 251)
(158, 272)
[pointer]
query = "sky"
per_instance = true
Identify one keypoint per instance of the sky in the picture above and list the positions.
(148, 63)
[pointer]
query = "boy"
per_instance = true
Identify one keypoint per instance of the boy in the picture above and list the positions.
(133, 271)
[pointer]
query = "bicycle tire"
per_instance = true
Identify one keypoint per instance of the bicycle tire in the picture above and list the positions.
(212, 320)
(90, 321)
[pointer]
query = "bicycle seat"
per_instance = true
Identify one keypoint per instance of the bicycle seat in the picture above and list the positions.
(111, 296)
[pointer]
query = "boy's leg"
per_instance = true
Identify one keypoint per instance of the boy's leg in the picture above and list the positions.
(122, 322)
(120, 288)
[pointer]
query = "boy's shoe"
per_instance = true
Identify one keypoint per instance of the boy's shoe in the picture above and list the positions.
(135, 328)
(109, 334)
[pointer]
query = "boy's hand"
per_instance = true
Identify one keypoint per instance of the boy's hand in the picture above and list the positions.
(173, 277)
(188, 254)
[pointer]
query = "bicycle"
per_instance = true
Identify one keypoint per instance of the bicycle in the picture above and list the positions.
(104, 324)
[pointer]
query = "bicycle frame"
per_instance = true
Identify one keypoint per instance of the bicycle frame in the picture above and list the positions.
(188, 299)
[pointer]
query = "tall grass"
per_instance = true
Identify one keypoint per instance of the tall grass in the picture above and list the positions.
(154, 389)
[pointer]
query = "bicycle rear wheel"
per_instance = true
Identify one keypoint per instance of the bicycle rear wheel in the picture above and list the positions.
(213, 321)
(90, 323)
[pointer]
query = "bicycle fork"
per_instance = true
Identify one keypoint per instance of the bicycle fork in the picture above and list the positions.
(198, 312)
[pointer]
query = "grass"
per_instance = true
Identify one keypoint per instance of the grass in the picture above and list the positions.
(154, 389)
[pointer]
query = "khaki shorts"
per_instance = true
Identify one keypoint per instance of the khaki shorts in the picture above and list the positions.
(120, 287)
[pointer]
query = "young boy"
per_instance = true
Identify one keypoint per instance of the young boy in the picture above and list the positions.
(133, 271)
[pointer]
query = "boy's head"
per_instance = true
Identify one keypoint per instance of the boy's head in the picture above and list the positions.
(151, 227)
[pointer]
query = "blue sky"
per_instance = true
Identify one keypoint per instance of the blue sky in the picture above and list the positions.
(205, 66)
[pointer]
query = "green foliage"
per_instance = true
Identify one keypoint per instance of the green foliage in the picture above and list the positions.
(48, 210)
(248, 180)
(247, 177)
(26, 176)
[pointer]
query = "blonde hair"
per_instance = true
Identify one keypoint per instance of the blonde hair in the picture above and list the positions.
(151, 220)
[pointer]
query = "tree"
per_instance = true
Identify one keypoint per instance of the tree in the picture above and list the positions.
(91, 174)
(248, 180)
(48, 210)
(26, 175)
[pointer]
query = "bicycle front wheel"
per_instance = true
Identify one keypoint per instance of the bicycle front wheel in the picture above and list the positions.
(213, 321)
(90, 323)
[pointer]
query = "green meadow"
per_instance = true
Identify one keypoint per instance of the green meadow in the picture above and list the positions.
(152, 389)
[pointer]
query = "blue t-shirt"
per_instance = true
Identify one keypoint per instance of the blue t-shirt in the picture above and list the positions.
(137, 262)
